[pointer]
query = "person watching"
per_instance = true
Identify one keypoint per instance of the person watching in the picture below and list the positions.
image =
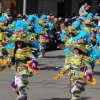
(83, 10)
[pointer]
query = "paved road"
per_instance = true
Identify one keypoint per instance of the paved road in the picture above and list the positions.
(43, 87)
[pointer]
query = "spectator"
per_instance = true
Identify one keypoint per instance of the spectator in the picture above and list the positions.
(56, 33)
(66, 22)
(20, 17)
(56, 25)
(48, 18)
(98, 10)
(62, 27)
(7, 13)
(82, 10)
(25, 17)
(60, 20)
(52, 18)
(51, 14)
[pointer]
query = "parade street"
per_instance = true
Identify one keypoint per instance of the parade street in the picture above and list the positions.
(43, 87)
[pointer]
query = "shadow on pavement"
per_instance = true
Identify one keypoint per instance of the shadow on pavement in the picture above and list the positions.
(96, 73)
(50, 68)
(41, 64)
(58, 99)
(84, 98)
(58, 56)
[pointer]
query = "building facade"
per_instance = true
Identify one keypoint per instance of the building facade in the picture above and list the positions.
(47, 6)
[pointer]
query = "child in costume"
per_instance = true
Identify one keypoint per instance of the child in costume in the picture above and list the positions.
(88, 26)
(21, 55)
(3, 53)
(96, 53)
(44, 36)
(78, 64)
(3, 56)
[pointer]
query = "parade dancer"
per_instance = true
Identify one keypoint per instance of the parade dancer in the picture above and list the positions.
(3, 53)
(3, 57)
(21, 56)
(78, 64)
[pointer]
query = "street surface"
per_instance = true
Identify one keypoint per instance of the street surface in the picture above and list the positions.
(43, 87)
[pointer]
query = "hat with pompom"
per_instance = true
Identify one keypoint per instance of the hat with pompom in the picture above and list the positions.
(88, 73)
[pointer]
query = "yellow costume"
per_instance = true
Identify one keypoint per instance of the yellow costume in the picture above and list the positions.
(78, 61)
(23, 55)
(79, 68)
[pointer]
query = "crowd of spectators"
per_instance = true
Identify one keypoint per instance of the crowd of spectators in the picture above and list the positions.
(59, 24)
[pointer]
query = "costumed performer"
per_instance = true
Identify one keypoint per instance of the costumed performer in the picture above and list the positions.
(22, 58)
(78, 64)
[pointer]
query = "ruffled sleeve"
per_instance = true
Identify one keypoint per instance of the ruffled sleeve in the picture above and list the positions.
(88, 59)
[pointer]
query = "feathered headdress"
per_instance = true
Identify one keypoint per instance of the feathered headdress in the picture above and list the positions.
(80, 44)
(83, 34)
(90, 16)
(33, 18)
(20, 33)
(76, 25)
